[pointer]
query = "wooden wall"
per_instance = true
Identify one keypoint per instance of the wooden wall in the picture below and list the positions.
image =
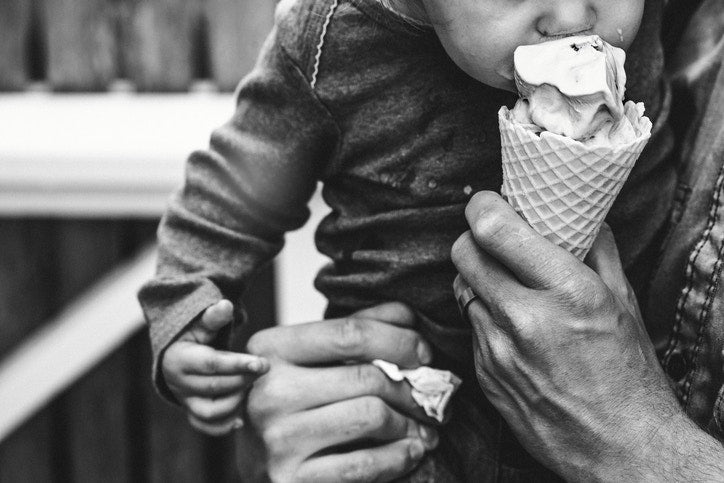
(110, 425)
(158, 45)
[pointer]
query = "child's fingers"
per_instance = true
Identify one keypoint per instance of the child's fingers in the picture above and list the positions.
(200, 359)
(215, 386)
(217, 316)
(213, 319)
(218, 428)
(211, 410)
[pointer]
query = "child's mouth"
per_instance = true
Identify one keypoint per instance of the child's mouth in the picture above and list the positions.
(571, 33)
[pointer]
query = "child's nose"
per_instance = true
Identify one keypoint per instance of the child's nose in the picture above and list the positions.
(564, 17)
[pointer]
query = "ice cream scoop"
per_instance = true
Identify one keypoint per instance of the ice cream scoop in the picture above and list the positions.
(570, 142)
(573, 87)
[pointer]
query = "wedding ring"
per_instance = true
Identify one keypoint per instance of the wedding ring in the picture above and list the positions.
(465, 299)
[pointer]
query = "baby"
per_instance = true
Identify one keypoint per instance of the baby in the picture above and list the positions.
(392, 105)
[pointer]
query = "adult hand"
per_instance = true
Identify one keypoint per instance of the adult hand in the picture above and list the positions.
(324, 413)
(561, 351)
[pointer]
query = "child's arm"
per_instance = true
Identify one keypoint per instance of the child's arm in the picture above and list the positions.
(240, 195)
(211, 384)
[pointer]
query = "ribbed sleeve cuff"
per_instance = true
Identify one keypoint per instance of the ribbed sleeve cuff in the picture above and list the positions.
(166, 325)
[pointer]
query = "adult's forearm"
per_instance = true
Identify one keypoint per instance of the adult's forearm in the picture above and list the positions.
(678, 451)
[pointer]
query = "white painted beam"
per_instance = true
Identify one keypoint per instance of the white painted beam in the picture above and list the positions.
(65, 348)
(100, 155)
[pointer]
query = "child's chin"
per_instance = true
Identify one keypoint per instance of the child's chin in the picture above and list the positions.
(499, 81)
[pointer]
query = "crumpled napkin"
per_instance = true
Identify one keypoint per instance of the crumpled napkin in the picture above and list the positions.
(431, 388)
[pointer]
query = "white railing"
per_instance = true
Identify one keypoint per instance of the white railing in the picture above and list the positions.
(66, 347)
(99, 155)
(107, 156)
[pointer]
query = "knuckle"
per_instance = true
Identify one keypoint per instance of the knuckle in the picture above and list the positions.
(351, 336)
(403, 312)
(201, 409)
(279, 474)
(213, 385)
(524, 323)
(256, 410)
(600, 301)
(367, 376)
(211, 364)
(459, 248)
(499, 356)
(374, 412)
(409, 341)
(171, 363)
(359, 469)
(258, 344)
(260, 401)
(584, 295)
(274, 438)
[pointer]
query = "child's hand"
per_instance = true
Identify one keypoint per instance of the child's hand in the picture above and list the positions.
(211, 384)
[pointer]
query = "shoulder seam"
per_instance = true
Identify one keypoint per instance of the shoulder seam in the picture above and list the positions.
(338, 131)
(320, 44)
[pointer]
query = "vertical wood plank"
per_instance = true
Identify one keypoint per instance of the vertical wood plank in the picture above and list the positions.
(26, 278)
(14, 27)
(159, 42)
(93, 411)
(82, 47)
(97, 423)
(237, 30)
(86, 250)
(27, 454)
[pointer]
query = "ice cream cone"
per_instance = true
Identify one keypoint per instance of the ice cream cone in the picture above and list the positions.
(563, 187)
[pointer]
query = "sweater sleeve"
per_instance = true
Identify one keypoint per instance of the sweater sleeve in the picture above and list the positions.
(239, 197)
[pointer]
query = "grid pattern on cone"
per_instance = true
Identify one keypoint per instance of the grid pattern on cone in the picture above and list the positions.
(561, 187)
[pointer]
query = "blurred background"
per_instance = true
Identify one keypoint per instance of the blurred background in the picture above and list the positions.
(100, 103)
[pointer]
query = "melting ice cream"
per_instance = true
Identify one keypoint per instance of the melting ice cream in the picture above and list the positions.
(574, 87)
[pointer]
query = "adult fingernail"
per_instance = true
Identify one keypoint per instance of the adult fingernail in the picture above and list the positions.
(255, 366)
(423, 353)
(238, 423)
(417, 449)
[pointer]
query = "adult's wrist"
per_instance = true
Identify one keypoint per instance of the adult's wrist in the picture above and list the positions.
(676, 450)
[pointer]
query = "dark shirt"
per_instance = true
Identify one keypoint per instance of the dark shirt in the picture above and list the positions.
(401, 138)
(685, 312)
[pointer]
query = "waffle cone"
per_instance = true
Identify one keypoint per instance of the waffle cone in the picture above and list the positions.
(563, 188)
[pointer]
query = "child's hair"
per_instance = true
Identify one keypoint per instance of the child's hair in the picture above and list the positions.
(416, 15)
